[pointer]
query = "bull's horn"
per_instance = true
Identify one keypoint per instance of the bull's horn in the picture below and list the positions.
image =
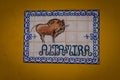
(67, 25)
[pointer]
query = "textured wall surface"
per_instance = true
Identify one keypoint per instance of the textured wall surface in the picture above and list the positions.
(12, 66)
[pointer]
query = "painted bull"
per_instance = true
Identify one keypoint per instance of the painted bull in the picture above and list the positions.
(54, 27)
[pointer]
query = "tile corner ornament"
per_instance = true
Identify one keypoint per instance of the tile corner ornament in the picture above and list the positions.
(62, 36)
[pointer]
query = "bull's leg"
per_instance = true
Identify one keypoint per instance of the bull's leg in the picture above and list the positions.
(42, 38)
(53, 38)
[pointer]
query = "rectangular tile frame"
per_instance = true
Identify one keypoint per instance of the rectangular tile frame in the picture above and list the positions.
(94, 36)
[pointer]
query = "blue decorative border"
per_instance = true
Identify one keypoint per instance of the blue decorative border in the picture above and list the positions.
(94, 36)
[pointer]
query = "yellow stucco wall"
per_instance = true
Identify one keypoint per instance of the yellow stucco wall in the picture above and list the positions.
(12, 66)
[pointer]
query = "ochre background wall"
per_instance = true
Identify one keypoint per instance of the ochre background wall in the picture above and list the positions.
(12, 66)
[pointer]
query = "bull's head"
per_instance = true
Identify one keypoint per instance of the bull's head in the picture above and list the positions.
(62, 28)
(63, 25)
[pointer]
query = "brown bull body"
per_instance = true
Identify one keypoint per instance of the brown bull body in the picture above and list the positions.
(54, 27)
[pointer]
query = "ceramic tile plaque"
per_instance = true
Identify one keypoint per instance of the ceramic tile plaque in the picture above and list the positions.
(62, 36)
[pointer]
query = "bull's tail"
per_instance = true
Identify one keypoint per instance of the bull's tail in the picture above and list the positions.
(33, 28)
